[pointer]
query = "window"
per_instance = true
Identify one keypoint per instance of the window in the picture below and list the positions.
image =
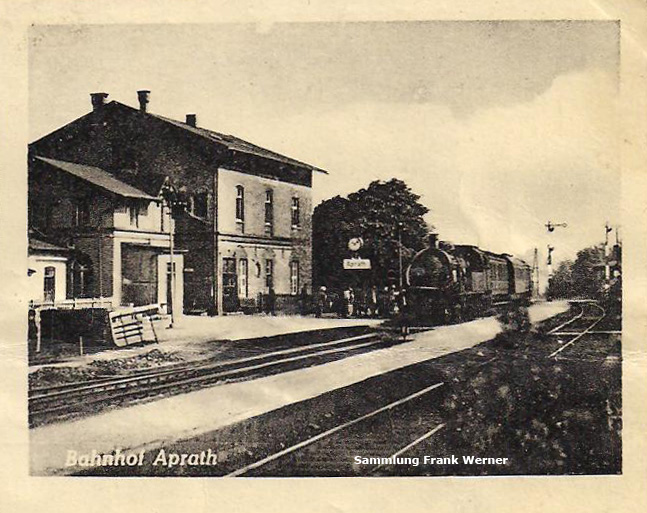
(41, 214)
(229, 276)
(82, 213)
(243, 289)
(49, 285)
(133, 211)
(201, 204)
(163, 210)
(296, 213)
(294, 277)
(79, 281)
(240, 203)
(269, 212)
(269, 274)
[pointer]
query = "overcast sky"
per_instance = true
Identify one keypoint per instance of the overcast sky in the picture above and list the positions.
(499, 126)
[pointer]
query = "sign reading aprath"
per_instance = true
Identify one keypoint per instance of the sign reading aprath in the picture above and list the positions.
(357, 263)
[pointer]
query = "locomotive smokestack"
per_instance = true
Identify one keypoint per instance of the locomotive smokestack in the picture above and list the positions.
(433, 240)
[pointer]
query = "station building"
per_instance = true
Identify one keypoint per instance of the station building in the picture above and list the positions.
(246, 232)
(115, 239)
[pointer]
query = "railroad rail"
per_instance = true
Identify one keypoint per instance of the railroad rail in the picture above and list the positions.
(70, 398)
(340, 427)
(592, 322)
(571, 324)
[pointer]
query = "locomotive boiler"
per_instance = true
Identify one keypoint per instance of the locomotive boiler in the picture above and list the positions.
(448, 283)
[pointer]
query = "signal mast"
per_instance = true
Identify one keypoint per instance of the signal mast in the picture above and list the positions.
(550, 226)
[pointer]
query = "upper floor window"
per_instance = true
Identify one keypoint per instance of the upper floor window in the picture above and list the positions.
(269, 212)
(41, 214)
(240, 203)
(201, 204)
(296, 213)
(134, 213)
(82, 213)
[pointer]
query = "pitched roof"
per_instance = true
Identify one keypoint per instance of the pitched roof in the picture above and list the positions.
(41, 245)
(97, 177)
(237, 144)
(150, 183)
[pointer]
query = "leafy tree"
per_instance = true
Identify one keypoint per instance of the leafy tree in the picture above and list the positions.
(588, 272)
(378, 214)
(561, 284)
(583, 278)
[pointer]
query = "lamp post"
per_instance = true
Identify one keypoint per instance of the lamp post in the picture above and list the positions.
(172, 264)
(175, 205)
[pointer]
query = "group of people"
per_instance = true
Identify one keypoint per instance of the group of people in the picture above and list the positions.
(385, 302)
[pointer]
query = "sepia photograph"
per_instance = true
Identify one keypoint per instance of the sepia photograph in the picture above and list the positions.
(325, 249)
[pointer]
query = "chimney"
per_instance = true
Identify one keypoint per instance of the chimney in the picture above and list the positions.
(143, 97)
(98, 100)
(433, 240)
(191, 119)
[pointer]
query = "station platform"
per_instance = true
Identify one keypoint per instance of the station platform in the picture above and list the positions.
(150, 425)
(192, 336)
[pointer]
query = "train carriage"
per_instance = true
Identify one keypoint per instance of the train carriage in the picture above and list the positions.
(446, 282)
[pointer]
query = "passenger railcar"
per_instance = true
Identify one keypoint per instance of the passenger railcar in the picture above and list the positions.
(446, 282)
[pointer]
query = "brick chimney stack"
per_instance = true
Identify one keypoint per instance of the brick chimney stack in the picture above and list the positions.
(98, 100)
(191, 120)
(144, 97)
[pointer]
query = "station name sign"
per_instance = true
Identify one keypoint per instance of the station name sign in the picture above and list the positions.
(357, 263)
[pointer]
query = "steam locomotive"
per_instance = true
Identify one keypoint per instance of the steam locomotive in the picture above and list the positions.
(447, 283)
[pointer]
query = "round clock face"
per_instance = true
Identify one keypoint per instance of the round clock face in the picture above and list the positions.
(355, 244)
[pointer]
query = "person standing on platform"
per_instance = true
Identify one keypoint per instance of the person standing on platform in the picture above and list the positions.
(271, 301)
(320, 301)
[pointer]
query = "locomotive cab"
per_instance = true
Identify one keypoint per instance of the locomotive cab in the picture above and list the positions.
(434, 281)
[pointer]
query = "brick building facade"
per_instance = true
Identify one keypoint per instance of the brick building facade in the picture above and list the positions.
(230, 262)
(118, 235)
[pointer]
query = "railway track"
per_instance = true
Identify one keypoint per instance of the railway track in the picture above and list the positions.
(580, 325)
(49, 403)
(414, 412)
(329, 434)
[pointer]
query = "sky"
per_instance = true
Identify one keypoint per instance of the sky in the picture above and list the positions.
(498, 126)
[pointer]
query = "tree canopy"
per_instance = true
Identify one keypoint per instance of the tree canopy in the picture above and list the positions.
(583, 278)
(379, 214)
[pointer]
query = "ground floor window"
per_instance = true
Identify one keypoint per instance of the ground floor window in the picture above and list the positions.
(294, 277)
(229, 285)
(243, 288)
(269, 274)
(49, 285)
(228, 276)
(79, 280)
